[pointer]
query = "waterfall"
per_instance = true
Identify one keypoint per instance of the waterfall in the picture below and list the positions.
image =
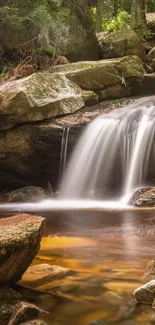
(118, 143)
(63, 153)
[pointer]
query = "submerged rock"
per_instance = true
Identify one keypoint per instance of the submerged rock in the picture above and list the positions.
(122, 43)
(127, 309)
(35, 322)
(100, 321)
(144, 197)
(12, 310)
(145, 294)
(20, 238)
(25, 194)
(37, 97)
(39, 274)
(152, 318)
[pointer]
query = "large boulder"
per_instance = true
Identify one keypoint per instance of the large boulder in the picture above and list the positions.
(37, 97)
(20, 238)
(122, 43)
(113, 78)
(30, 154)
(144, 197)
(86, 47)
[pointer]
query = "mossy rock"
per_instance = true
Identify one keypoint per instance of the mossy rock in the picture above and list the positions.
(101, 74)
(38, 97)
(122, 43)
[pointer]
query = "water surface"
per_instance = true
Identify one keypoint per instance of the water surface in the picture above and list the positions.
(108, 252)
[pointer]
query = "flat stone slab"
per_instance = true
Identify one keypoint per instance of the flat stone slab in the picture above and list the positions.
(20, 238)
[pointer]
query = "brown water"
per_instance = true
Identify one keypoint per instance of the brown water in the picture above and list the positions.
(109, 253)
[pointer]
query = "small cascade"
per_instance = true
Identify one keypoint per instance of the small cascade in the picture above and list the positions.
(116, 143)
(63, 153)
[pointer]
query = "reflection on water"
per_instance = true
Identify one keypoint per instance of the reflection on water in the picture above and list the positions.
(107, 254)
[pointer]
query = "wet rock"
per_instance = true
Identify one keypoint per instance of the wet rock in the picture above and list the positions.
(148, 83)
(152, 65)
(149, 273)
(111, 298)
(120, 286)
(148, 68)
(151, 55)
(25, 194)
(147, 46)
(39, 274)
(127, 309)
(20, 238)
(30, 154)
(145, 294)
(144, 197)
(119, 44)
(23, 312)
(8, 301)
(37, 97)
(12, 310)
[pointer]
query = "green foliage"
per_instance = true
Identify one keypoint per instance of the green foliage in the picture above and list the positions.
(121, 21)
(32, 24)
(143, 32)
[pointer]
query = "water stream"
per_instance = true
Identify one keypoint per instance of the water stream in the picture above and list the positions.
(63, 153)
(115, 145)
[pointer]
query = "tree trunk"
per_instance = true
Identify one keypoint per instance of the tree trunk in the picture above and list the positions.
(138, 14)
(116, 7)
(99, 15)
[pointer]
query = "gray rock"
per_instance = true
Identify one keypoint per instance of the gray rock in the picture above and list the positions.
(145, 294)
(13, 310)
(119, 44)
(25, 194)
(23, 312)
(144, 197)
(20, 238)
(151, 55)
(148, 84)
(37, 97)
(99, 75)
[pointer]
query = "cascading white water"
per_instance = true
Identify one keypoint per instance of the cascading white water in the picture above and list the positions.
(118, 142)
(63, 153)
